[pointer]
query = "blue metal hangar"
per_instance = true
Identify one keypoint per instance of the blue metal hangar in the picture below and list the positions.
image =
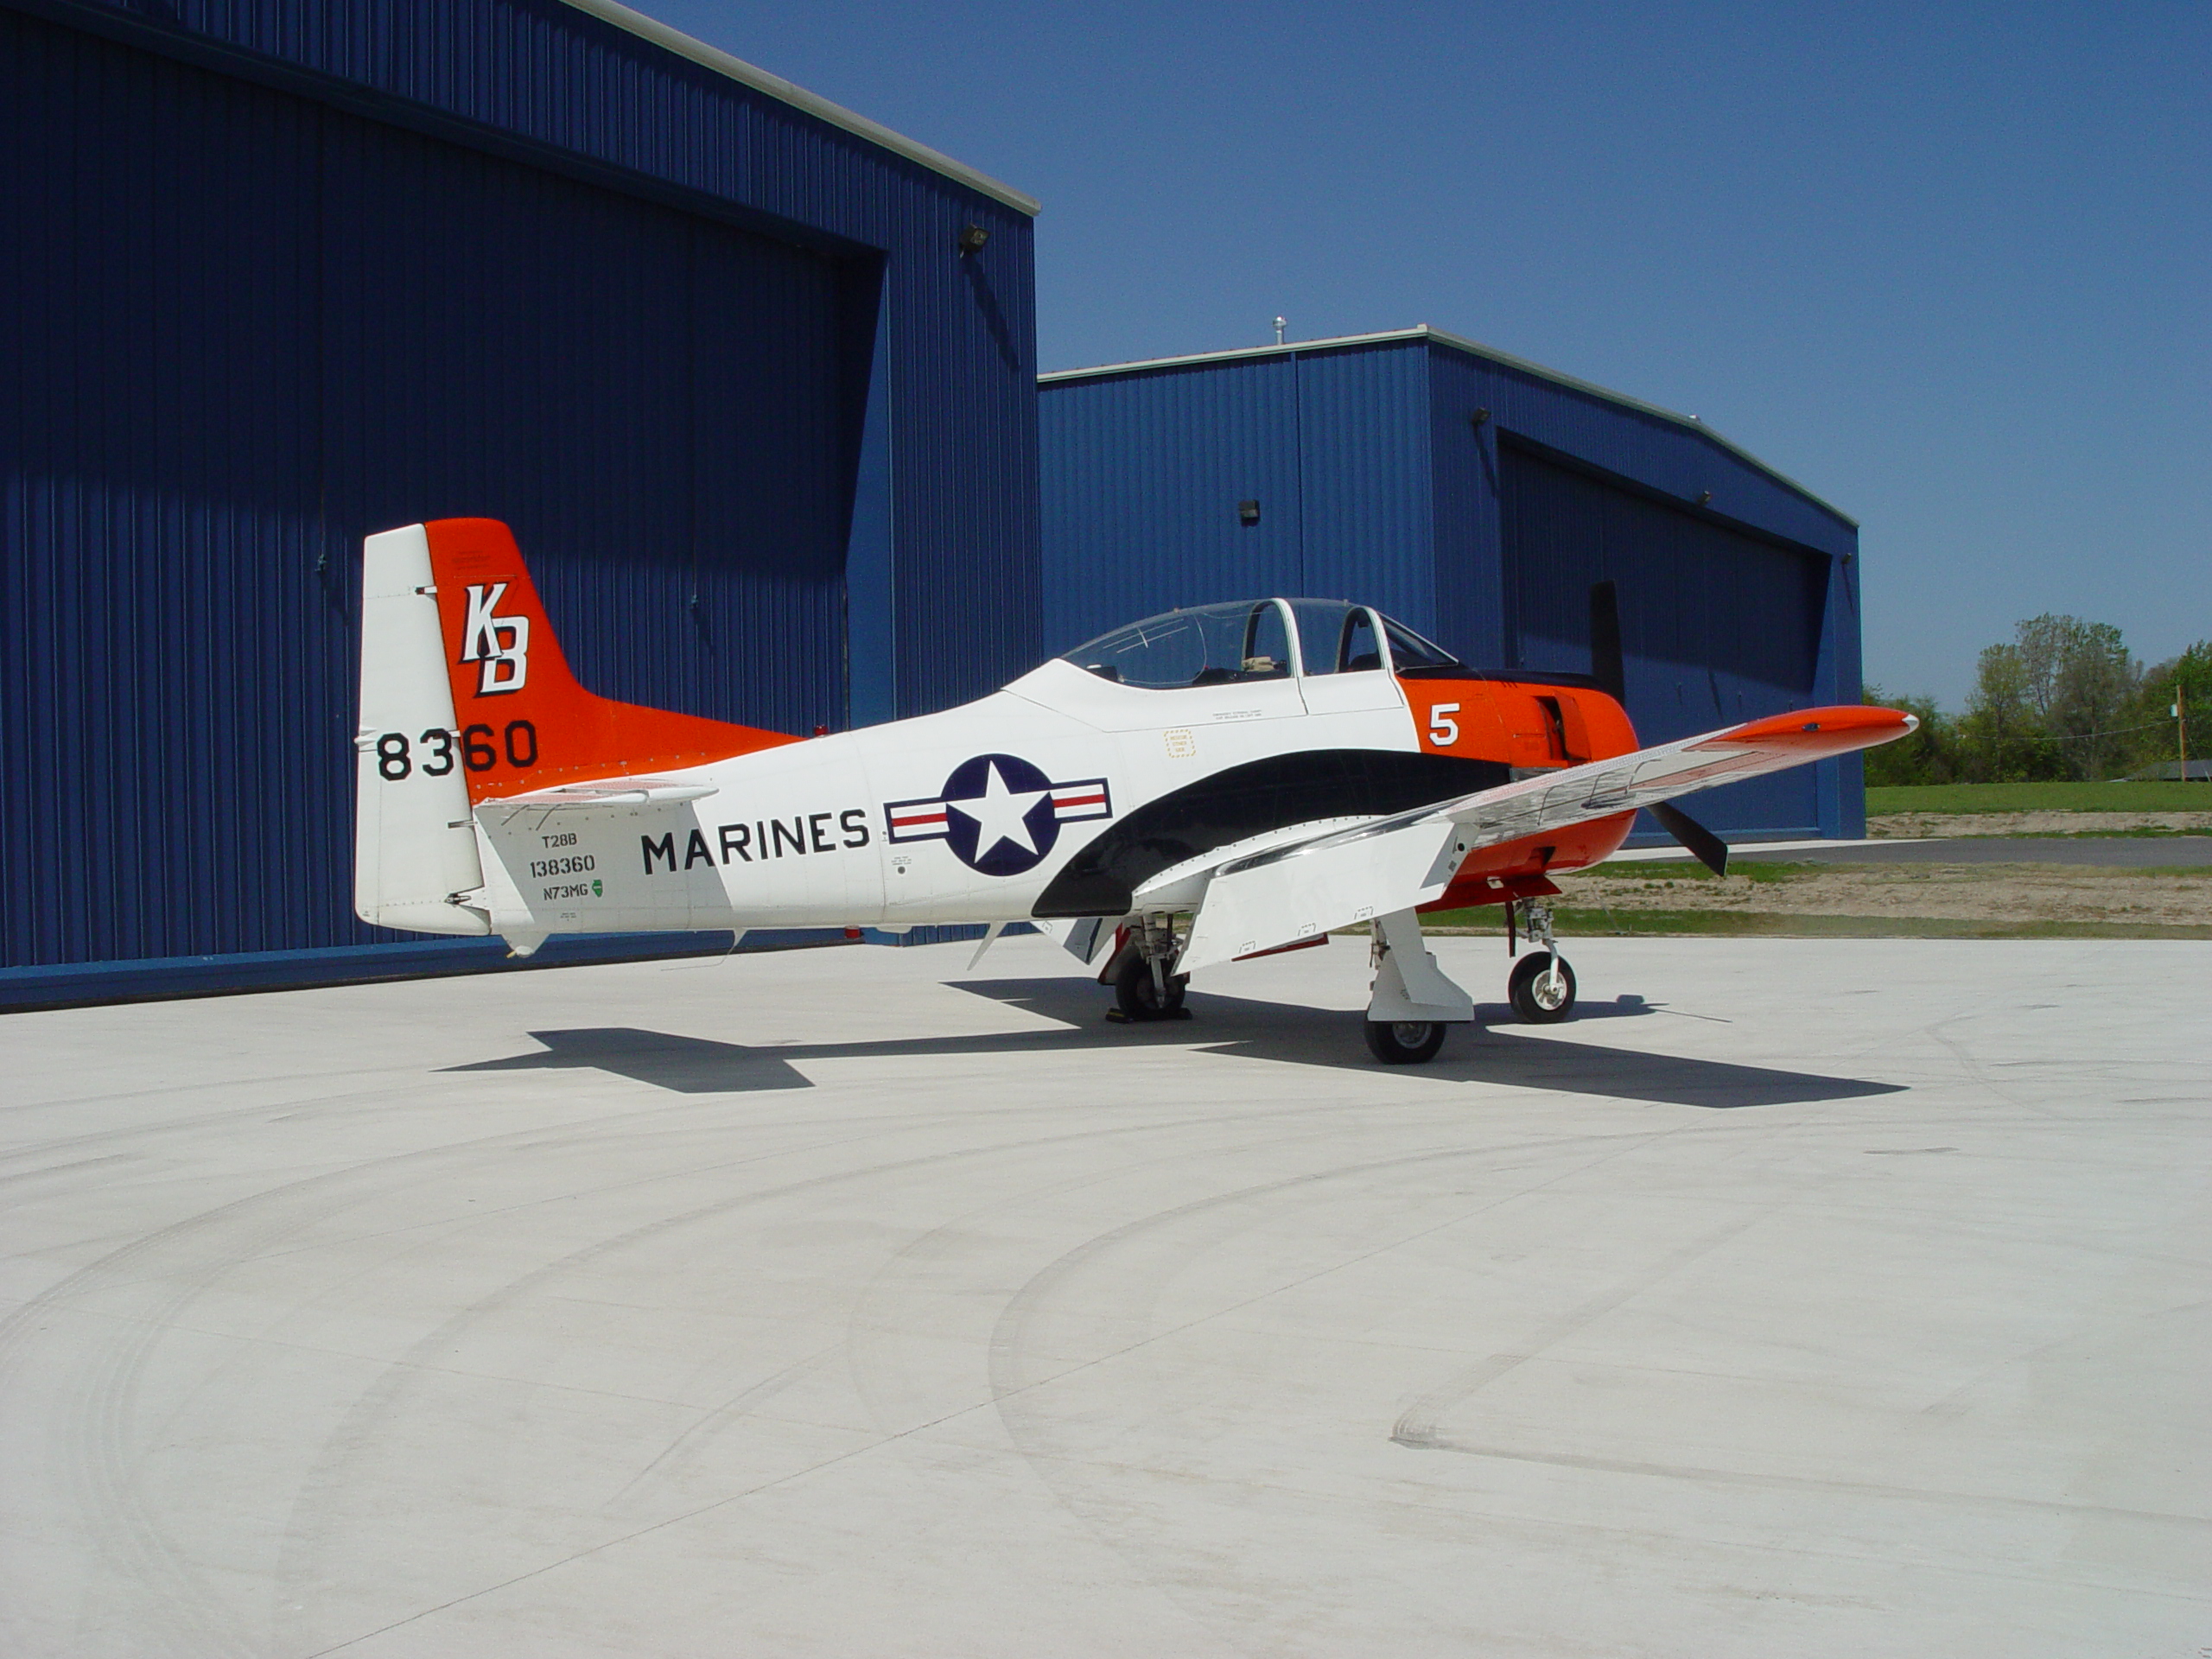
(1479, 497)
(753, 378)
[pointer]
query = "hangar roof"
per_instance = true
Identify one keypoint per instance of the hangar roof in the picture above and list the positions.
(1506, 359)
(798, 98)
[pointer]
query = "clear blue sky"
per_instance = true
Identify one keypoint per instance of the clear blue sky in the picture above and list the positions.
(1950, 267)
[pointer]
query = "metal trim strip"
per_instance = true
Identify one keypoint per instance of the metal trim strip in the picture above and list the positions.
(684, 45)
(1472, 348)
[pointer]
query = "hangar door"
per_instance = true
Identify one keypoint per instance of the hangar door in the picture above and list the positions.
(239, 329)
(1718, 624)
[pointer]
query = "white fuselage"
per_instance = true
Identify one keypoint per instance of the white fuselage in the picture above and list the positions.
(962, 817)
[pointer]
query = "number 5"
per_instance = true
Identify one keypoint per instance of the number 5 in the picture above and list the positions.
(1443, 730)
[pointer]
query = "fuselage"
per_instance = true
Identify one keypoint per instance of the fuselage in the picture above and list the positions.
(1067, 794)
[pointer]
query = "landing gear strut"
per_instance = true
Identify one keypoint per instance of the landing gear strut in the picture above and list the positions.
(1542, 988)
(1143, 986)
(1412, 1001)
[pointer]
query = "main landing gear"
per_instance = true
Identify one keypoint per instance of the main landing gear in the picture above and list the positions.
(1542, 988)
(1412, 1001)
(1143, 988)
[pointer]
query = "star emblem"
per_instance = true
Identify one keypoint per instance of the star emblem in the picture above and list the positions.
(999, 813)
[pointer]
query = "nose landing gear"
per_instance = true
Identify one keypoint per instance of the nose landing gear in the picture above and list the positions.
(1542, 988)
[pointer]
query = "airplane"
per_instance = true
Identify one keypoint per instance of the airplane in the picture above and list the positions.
(1214, 785)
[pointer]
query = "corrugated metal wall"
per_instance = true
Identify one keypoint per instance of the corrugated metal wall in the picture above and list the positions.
(1143, 474)
(1364, 460)
(1717, 626)
(1477, 500)
(244, 326)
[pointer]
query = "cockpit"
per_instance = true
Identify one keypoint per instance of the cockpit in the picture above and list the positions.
(1259, 640)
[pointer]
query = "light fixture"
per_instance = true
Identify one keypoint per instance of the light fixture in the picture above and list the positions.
(972, 239)
(1705, 497)
(1248, 513)
(1477, 418)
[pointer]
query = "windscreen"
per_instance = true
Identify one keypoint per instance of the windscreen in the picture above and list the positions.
(1210, 645)
(1411, 654)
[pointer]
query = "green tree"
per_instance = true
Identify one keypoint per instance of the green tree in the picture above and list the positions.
(2002, 738)
(2188, 676)
(2057, 702)
(1928, 756)
(2093, 698)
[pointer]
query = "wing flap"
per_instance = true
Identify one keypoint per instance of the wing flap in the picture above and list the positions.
(1291, 893)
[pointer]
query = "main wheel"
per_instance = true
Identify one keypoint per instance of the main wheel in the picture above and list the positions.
(1404, 1042)
(1542, 988)
(1140, 998)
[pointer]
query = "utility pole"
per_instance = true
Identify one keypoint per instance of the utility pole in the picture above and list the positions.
(2181, 728)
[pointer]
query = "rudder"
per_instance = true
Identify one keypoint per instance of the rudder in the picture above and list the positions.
(414, 842)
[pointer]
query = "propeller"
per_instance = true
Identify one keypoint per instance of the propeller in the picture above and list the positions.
(1609, 668)
(1605, 663)
(1709, 849)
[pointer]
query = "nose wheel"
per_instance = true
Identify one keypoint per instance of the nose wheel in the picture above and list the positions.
(1542, 988)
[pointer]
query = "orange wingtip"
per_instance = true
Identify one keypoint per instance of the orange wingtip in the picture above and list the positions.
(1832, 730)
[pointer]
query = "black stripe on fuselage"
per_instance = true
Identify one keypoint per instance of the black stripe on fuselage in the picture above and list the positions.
(1251, 800)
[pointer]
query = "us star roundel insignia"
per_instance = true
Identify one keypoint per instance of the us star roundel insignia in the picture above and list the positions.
(998, 813)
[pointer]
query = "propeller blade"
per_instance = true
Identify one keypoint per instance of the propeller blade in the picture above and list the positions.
(1711, 851)
(1605, 665)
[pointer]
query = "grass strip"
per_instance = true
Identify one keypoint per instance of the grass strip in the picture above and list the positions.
(1692, 923)
(2040, 798)
(1768, 870)
(2140, 832)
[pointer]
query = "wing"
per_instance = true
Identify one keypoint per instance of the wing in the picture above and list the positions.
(1257, 900)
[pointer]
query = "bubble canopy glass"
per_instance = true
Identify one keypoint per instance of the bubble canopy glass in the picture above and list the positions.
(1253, 639)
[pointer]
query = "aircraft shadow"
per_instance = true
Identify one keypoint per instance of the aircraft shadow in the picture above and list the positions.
(1221, 1025)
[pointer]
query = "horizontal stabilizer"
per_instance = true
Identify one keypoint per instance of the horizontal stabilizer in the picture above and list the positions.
(611, 792)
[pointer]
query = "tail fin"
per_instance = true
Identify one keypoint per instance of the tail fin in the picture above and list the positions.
(521, 721)
(466, 699)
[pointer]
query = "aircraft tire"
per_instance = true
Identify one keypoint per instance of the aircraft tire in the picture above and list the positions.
(1540, 1006)
(1139, 998)
(1404, 1042)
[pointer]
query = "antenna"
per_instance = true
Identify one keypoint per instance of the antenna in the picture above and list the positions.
(1280, 324)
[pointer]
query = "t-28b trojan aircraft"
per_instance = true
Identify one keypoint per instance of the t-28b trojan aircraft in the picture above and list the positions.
(1205, 786)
